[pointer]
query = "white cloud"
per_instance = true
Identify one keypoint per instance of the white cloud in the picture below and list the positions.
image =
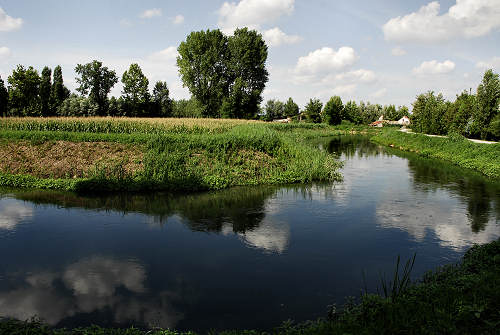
(178, 19)
(125, 23)
(380, 93)
(252, 13)
(433, 67)
(276, 37)
(4, 53)
(360, 76)
(467, 18)
(493, 63)
(165, 55)
(344, 89)
(8, 23)
(324, 61)
(150, 13)
(398, 51)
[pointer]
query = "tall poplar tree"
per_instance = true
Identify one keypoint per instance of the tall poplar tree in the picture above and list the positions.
(45, 90)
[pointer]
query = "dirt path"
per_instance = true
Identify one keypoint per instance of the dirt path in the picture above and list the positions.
(406, 130)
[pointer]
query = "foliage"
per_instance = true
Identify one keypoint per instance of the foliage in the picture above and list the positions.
(247, 74)
(225, 74)
(291, 109)
(351, 113)
(187, 108)
(4, 99)
(23, 92)
(135, 92)
(161, 102)
(274, 110)
(487, 103)
(333, 113)
(459, 114)
(484, 158)
(428, 114)
(59, 92)
(312, 111)
(96, 81)
(45, 89)
(78, 106)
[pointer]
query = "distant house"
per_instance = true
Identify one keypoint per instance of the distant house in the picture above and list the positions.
(404, 121)
(287, 120)
(379, 123)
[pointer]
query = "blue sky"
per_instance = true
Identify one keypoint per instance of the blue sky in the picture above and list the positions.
(383, 51)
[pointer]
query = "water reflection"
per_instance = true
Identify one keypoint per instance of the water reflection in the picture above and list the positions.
(92, 285)
(12, 213)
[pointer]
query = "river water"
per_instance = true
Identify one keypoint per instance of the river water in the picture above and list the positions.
(240, 258)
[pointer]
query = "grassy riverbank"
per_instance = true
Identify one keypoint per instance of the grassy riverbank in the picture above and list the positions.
(113, 154)
(456, 299)
(484, 158)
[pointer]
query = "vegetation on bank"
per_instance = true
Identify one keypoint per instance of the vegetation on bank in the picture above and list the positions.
(455, 149)
(169, 155)
(455, 299)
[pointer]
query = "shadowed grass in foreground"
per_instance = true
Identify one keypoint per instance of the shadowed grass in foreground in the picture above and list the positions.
(455, 299)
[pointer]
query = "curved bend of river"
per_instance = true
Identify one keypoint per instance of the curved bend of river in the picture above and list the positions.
(239, 258)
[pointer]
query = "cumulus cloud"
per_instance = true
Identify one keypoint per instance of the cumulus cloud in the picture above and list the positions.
(360, 76)
(467, 18)
(150, 13)
(433, 67)
(178, 19)
(398, 51)
(324, 61)
(276, 37)
(252, 13)
(493, 63)
(166, 55)
(8, 23)
(4, 53)
(380, 93)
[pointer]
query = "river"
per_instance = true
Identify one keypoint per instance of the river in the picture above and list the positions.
(239, 258)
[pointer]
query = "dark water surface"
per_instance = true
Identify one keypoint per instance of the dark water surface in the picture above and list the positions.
(239, 258)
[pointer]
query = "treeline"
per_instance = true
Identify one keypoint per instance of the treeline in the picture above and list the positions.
(333, 112)
(31, 94)
(471, 115)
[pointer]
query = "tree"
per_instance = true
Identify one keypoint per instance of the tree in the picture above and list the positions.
(488, 100)
(203, 67)
(459, 114)
(333, 111)
(428, 114)
(96, 81)
(23, 93)
(59, 92)
(247, 72)
(291, 108)
(274, 109)
(162, 104)
(45, 88)
(312, 111)
(225, 74)
(352, 113)
(4, 99)
(135, 91)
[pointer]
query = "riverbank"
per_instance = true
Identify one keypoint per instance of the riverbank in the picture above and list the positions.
(114, 154)
(456, 299)
(484, 158)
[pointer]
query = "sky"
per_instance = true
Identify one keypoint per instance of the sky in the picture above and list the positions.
(383, 51)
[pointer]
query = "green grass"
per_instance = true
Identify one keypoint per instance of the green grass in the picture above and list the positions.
(484, 158)
(188, 160)
(463, 298)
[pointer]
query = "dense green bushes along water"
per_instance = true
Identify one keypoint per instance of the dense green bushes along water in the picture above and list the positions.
(456, 149)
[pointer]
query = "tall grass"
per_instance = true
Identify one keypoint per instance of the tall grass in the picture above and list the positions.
(484, 158)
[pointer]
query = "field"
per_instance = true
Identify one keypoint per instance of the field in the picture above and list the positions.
(124, 154)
